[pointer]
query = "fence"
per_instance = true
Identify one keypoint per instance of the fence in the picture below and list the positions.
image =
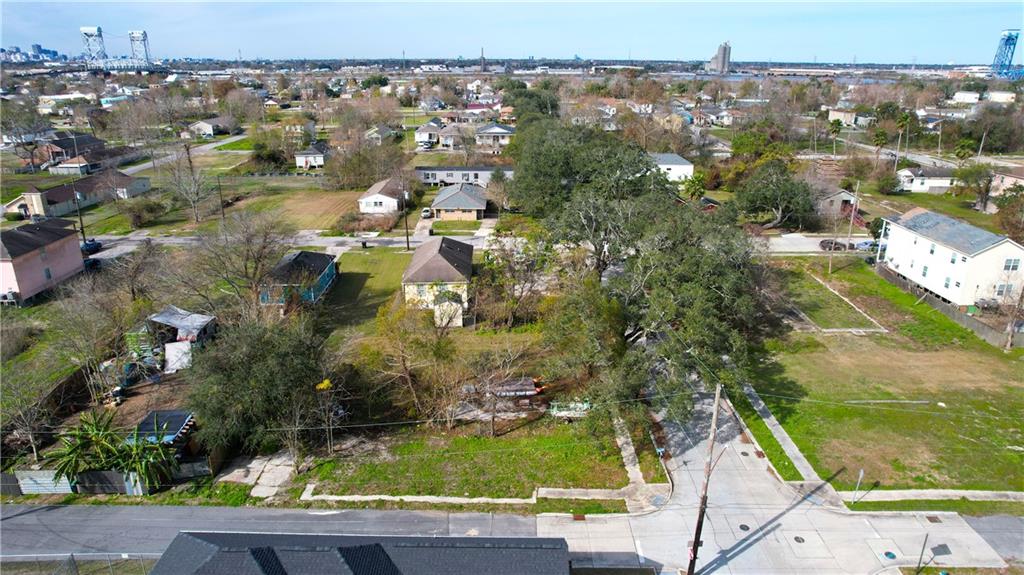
(84, 564)
(993, 336)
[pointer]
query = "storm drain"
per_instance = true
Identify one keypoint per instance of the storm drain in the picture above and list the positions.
(932, 519)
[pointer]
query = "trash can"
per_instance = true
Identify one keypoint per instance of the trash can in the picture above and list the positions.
(364, 244)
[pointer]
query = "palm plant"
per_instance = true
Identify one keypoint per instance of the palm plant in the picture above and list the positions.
(903, 124)
(964, 150)
(150, 461)
(835, 127)
(92, 444)
(879, 139)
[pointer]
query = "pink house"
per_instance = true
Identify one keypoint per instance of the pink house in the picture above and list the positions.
(35, 258)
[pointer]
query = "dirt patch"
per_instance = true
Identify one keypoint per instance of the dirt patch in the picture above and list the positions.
(881, 459)
(317, 210)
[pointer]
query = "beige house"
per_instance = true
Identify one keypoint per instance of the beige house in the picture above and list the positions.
(459, 202)
(61, 200)
(438, 279)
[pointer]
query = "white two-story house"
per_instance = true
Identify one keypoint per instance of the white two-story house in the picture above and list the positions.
(952, 259)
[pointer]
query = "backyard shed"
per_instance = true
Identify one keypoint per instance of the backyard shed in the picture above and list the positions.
(303, 276)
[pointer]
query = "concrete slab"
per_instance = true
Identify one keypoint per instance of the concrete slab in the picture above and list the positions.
(1004, 533)
(806, 544)
(469, 524)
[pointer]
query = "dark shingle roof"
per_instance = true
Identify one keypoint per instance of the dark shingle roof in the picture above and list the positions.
(440, 260)
(460, 197)
(103, 180)
(952, 233)
(276, 553)
(930, 172)
(298, 267)
(30, 237)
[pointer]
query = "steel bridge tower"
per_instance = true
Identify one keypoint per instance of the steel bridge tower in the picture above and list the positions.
(140, 46)
(92, 38)
(1002, 64)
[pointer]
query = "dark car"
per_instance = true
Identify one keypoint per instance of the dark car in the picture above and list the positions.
(90, 247)
(91, 263)
(835, 246)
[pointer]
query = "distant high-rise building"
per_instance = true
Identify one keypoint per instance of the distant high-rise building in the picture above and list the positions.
(719, 63)
(36, 49)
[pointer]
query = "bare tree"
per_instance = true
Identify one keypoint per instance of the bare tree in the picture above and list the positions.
(22, 123)
(188, 181)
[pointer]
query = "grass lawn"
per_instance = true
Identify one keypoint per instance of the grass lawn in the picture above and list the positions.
(826, 309)
(13, 185)
(242, 145)
(965, 431)
(958, 207)
(544, 453)
(961, 506)
(646, 452)
(117, 566)
(455, 227)
(436, 159)
(34, 361)
(366, 280)
(1011, 570)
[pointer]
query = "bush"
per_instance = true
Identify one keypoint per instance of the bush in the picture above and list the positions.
(16, 337)
(141, 211)
(352, 222)
(14, 216)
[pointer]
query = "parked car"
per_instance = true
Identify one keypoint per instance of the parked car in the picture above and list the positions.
(835, 246)
(89, 247)
(867, 245)
(425, 213)
(424, 146)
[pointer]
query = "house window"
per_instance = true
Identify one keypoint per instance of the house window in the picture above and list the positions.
(421, 291)
(931, 250)
(465, 177)
(945, 284)
(957, 284)
(915, 241)
(963, 259)
(378, 204)
(1011, 264)
(451, 174)
(924, 271)
(911, 264)
(1004, 289)
(476, 175)
(47, 274)
(952, 258)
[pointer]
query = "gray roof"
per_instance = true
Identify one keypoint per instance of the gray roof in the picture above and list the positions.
(429, 128)
(316, 554)
(506, 169)
(302, 266)
(669, 159)
(440, 260)
(187, 323)
(317, 148)
(952, 233)
(495, 126)
(930, 172)
(30, 237)
(391, 187)
(460, 196)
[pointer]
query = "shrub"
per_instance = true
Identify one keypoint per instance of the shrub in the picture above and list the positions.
(14, 216)
(352, 222)
(141, 211)
(16, 337)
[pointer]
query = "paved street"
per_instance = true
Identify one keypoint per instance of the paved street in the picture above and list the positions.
(196, 151)
(755, 524)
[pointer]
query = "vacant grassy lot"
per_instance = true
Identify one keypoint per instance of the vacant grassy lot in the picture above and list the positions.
(961, 207)
(242, 145)
(926, 406)
(13, 185)
(366, 280)
(543, 453)
(962, 506)
(30, 348)
(96, 566)
(824, 308)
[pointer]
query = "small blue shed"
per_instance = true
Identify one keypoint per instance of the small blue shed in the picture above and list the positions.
(299, 277)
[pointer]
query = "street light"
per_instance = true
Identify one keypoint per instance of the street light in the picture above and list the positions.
(78, 208)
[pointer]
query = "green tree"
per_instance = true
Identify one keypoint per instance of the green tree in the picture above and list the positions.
(835, 127)
(880, 138)
(772, 189)
(887, 184)
(964, 150)
(584, 329)
(976, 179)
(256, 384)
(903, 125)
(875, 228)
(22, 123)
(694, 187)
(1011, 212)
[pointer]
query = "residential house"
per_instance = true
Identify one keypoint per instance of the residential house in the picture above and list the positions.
(451, 136)
(965, 97)
(384, 197)
(847, 117)
(61, 200)
(65, 144)
(301, 128)
(438, 278)
(833, 203)
(929, 180)
(273, 104)
(447, 175)
(49, 104)
(313, 157)
(1001, 97)
(96, 160)
(459, 202)
(226, 553)
(37, 257)
(956, 261)
(706, 116)
(429, 132)
(379, 134)
(300, 277)
(213, 126)
(431, 104)
(495, 136)
(479, 110)
(1003, 179)
(675, 167)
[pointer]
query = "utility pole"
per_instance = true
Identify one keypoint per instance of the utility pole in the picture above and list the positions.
(982, 145)
(853, 214)
(220, 196)
(707, 478)
(405, 206)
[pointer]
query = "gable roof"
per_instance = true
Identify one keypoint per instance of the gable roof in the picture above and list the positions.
(929, 172)
(506, 169)
(669, 159)
(217, 121)
(106, 179)
(298, 267)
(429, 128)
(29, 238)
(461, 196)
(494, 128)
(220, 553)
(70, 141)
(952, 233)
(440, 260)
(451, 130)
(390, 187)
(187, 323)
(318, 148)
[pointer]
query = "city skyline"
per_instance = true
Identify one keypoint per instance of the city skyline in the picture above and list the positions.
(835, 32)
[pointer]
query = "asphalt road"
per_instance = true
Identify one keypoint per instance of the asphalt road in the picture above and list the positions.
(196, 151)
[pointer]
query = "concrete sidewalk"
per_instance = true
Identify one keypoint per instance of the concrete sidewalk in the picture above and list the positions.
(930, 494)
(792, 451)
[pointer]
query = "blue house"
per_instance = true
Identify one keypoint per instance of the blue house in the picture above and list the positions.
(300, 277)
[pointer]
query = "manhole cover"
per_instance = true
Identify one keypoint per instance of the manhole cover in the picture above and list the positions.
(744, 527)
(889, 555)
(933, 519)
(798, 539)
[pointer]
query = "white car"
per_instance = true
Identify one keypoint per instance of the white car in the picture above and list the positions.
(425, 213)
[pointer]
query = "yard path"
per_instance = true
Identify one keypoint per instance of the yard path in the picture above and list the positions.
(792, 451)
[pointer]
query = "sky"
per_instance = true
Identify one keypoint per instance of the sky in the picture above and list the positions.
(824, 31)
